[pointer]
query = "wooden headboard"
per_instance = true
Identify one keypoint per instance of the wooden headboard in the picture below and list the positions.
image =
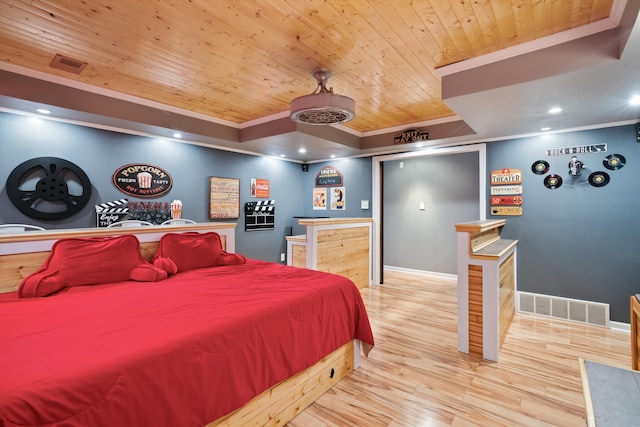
(22, 254)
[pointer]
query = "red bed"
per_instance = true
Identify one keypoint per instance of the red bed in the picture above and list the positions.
(182, 351)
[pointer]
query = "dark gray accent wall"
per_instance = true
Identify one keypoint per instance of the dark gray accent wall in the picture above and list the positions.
(426, 239)
(577, 241)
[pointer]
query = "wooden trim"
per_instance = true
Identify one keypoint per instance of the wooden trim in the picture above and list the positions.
(281, 403)
(482, 239)
(586, 391)
(332, 221)
(495, 250)
(476, 324)
(480, 226)
(101, 232)
(635, 332)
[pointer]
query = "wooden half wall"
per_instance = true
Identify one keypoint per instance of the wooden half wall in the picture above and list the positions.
(335, 245)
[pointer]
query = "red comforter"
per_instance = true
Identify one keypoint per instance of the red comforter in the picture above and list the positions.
(179, 352)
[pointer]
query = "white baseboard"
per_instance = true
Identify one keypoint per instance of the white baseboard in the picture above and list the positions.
(621, 327)
(436, 274)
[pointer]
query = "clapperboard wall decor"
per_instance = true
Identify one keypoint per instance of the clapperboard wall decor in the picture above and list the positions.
(260, 215)
(109, 212)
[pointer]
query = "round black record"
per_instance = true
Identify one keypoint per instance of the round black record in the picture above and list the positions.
(599, 179)
(540, 167)
(614, 161)
(553, 181)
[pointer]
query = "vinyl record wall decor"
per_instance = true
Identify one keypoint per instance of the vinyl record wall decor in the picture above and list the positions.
(576, 167)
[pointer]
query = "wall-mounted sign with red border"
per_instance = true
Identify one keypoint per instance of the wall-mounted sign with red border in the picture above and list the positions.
(506, 200)
(506, 176)
(329, 175)
(142, 180)
(260, 188)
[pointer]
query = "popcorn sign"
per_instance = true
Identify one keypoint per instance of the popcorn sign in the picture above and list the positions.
(142, 180)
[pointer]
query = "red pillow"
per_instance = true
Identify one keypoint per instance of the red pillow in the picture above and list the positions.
(231, 259)
(165, 264)
(190, 250)
(41, 284)
(84, 261)
(147, 273)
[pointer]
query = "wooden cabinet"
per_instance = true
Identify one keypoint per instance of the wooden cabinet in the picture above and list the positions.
(487, 283)
(335, 245)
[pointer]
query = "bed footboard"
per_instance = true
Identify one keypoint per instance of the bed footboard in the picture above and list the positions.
(281, 403)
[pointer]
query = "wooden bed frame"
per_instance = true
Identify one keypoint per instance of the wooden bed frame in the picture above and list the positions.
(22, 254)
(635, 332)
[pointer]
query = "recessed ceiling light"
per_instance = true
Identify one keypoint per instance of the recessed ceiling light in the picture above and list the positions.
(555, 110)
(635, 100)
(302, 150)
(177, 135)
(43, 111)
(545, 129)
(282, 155)
(333, 156)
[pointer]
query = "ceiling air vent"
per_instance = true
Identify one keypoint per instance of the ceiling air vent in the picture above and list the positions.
(65, 63)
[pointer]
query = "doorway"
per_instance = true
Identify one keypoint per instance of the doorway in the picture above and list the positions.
(378, 196)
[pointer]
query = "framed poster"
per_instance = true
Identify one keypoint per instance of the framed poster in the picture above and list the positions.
(338, 198)
(320, 199)
(260, 188)
(224, 198)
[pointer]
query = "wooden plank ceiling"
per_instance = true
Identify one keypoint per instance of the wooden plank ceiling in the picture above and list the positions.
(244, 60)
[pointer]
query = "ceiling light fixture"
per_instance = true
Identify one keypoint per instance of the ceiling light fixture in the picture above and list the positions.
(555, 110)
(322, 107)
(43, 111)
(635, 100)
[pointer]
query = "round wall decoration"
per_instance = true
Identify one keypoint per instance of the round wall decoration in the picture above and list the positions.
(142, 180)
(553, 181)
(48, 188)
(614, 161)
(540, 167)
(599, 179)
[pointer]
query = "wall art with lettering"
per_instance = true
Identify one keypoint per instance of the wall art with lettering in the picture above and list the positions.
(224, 198)
(142, 180)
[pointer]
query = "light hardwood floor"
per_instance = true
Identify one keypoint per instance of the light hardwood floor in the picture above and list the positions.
(415, 376)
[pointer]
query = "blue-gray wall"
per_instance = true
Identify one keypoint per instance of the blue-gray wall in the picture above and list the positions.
(577, 241)
(100, 153)
(426, 239)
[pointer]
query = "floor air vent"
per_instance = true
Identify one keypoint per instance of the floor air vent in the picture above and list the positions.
(593, 313)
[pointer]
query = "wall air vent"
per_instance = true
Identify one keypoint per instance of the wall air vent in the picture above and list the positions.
(592, 313)
(65, 63)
